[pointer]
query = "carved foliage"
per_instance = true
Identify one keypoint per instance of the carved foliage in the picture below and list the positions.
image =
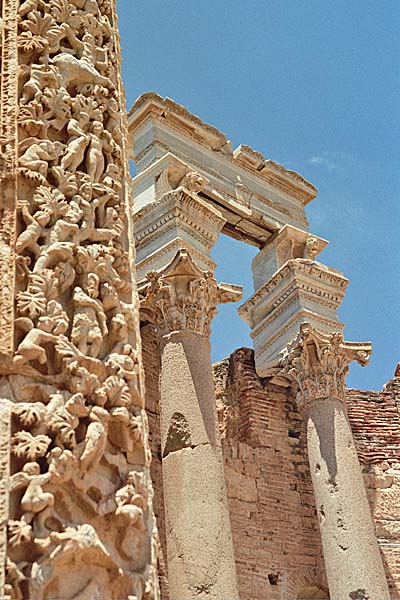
(183, 297)
(79, 445)
(316, 364)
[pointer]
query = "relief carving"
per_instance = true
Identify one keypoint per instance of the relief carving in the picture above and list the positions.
(316, 364)
(79, 486)
(183, 297)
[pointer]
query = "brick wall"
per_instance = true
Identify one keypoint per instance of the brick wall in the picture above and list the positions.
(375, 421)
(275, 531)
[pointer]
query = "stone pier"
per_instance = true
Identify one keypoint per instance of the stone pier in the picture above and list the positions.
(181, 300)
(74, 464)
(317, 364)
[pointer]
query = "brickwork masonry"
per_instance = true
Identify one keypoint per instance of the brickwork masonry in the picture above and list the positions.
(275, 529)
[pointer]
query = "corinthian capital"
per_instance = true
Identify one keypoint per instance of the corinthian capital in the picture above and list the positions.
(316, 364)
(183, 297)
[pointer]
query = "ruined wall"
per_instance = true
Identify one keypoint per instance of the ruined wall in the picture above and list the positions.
(375, 420)
(276, 537)
(277, 543)
(275, 530)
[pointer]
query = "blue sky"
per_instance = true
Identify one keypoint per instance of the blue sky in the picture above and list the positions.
(314, 85)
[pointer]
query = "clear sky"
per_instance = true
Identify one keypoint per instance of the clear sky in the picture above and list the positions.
(313, 85)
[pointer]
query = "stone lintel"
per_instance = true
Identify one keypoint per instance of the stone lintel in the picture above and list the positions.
(153, 106)
(178, 217)
(301, 291)
(240, 181)
(183, 297)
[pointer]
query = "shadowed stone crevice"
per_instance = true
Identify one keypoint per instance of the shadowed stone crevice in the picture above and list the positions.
(178, 435)
(359, 594)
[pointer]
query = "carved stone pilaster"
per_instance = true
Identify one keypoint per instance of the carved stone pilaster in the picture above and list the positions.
(70, 366)
(317, 364)
(182, 297)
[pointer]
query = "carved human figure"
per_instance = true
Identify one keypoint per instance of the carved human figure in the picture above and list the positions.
(40, 77)
(88, 229)
(131, 501)
(95, 161)
(113, 123)
(78, 141)
(95, 441)
(66, 228)
(89, 49)
(35, 228)
(39, 155)
(32, 346)
(35, 502)
(89, 324)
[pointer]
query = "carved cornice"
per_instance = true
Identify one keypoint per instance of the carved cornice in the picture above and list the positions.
(182, 297)
(316, 364)
(177, 118)
(177, 205)
(181, 197)
(294, 268)
(176, 244)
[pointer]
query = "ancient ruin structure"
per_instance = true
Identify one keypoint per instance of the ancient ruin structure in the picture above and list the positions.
(300, 516)
(75, 485)
(259, 492)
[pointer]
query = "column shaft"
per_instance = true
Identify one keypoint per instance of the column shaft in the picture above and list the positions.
(181, 299)
(199, 543)
(352, 559)
(317, 364)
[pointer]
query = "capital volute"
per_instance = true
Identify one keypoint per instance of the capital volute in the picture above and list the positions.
(316, 364)
(183, 297)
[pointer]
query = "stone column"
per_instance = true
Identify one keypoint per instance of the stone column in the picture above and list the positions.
(181, 300)
(74, 455)
(317, 365)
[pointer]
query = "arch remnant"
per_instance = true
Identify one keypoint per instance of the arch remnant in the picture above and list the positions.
(190, 185)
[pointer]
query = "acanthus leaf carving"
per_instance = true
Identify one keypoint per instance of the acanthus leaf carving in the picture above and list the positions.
(182, 297)
(316, 364)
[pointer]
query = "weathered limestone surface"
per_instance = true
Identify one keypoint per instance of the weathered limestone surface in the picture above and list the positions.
(180, 300)
(80, 507)
(255, 196)
(273, 512)
(316, 364)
